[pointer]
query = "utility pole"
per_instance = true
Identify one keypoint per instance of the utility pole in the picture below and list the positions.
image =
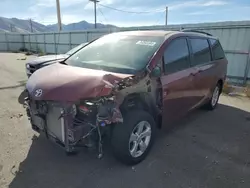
(95, 1)
(31, 26)
(11, 27)
(58, 15)
(166, 19)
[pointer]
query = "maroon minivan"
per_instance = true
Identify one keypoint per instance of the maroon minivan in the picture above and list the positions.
(124, 86)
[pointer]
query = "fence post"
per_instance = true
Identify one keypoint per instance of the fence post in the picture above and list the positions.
(37, 44)
(247, 69)
(87, 36)
(23, 42)
(44, 43)
(29, 43)
(55, 43)
(7, 41)
(70, 44)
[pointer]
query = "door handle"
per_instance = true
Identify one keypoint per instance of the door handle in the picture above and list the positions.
(165, 92)
(197, 72)
(200, 70)
(193, 73)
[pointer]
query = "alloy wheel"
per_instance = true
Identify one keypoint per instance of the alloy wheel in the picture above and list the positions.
(215, 96)
(140, 139)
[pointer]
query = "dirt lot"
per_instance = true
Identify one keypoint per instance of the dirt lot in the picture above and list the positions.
(207, 149)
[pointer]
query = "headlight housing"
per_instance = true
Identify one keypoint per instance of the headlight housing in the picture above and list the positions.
(74, 110)
(27, 68)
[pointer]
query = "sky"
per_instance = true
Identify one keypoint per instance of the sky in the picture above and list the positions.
(134, 12)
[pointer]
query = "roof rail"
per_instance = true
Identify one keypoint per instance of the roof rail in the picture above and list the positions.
(196, 31)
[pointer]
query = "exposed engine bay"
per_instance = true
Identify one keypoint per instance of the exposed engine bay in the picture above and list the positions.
(85, 122)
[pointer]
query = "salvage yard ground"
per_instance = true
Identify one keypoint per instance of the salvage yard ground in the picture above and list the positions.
(207, 149)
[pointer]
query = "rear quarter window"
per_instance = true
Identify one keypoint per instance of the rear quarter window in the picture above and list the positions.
(217, 50)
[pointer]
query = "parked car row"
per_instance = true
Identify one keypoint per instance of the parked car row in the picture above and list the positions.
(124, 86)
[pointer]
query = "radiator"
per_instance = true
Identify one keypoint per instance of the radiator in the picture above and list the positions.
(55, 126)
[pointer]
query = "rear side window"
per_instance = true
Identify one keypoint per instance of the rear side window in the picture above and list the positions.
(201, 51)
(217, 50)
(176, 56)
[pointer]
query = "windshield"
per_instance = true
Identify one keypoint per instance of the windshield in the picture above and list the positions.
(73, 50)
(117, 53)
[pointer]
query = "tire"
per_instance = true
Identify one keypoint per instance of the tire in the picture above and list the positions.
(122, 137)
(213, 101)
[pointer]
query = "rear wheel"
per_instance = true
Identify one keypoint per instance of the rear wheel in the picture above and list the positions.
(212, 103)
(132, 140)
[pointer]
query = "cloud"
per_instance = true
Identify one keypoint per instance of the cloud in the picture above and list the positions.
(215, 3)
(44, 11)
(63, 3)
(200, 13)
(108, 2)
(195, 4)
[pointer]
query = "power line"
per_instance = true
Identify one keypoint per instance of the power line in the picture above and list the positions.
(160, 18)
(133, 12)
(102, 14)
(100, 21)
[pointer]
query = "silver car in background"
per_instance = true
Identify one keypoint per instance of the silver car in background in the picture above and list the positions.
(43, 61)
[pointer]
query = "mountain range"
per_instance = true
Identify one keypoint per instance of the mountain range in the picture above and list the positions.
(29, 26)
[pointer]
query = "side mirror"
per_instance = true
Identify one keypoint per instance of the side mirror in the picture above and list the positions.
(156, 72)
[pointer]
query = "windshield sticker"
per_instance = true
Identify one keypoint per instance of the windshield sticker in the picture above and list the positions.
(146, 43)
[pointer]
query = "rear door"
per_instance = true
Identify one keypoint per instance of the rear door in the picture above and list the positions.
(201, 61)
(177, 81)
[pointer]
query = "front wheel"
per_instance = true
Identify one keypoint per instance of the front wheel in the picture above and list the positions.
(132, 140)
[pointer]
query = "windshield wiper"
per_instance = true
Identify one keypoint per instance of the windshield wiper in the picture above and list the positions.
(63, 62)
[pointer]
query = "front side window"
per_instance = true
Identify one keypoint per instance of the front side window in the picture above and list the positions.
(201, 51)
(217, 50)
(118, 53)
(176, 56)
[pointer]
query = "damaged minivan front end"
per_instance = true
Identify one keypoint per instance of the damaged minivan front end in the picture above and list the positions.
(69, 119)
(97, 92)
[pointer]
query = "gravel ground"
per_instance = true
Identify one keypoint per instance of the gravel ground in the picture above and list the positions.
(206, 149)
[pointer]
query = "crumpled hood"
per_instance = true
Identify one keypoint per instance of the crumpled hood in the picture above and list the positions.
(60, 82)
(47, 58)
